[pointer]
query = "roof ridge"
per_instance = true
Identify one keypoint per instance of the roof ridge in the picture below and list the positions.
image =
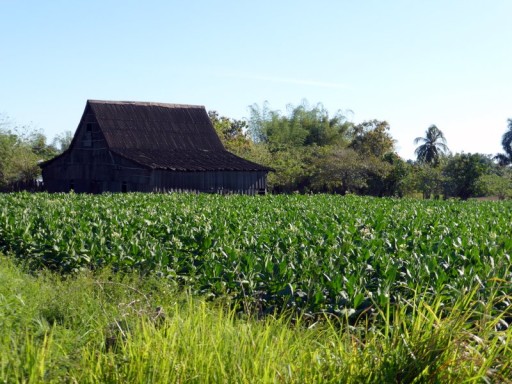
(144, 103)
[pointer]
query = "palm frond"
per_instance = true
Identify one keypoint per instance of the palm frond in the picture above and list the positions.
(419, 140)
(434, 144)
(503, 159)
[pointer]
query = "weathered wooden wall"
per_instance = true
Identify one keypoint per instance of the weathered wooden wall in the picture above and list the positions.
(210, 181)
(91, 167)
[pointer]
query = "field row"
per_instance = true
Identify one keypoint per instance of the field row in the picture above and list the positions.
(322, 253)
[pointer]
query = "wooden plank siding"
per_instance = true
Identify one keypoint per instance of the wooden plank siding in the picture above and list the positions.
(149, 147)
(210, 181)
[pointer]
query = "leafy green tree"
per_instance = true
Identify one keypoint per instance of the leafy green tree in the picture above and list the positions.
(62, 141)
(39, 146)
(292, 170)
(396, 181)
(372, 138)
(462, 173)
(339, 170)
(295, 141)
(433, 146)
(343, 170)
(374, 146)
(231, 132)
(303, 125)
(496, 185)
(18, 161)
(312, 150)
(283, 132)
(258, 120)
(428, 179)
(21, 149)
(320, 128)
(7, 142)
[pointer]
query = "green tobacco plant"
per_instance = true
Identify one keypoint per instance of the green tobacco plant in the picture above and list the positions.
(306, 254)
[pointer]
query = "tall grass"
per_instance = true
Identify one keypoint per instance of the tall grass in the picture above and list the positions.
(105, 328)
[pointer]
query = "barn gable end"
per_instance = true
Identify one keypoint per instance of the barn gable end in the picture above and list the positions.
(133, 146)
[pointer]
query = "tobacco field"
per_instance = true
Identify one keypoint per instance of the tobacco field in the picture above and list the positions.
(309, 254)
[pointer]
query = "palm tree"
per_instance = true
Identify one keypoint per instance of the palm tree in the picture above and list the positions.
(506, 143)
(434, 145)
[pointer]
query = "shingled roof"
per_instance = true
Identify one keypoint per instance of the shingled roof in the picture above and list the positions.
(165, 136)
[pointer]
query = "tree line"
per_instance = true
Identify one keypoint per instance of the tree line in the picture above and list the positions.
(313, 151)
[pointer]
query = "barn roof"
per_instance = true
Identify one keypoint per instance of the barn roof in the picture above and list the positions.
(165, 136)
(155, 126)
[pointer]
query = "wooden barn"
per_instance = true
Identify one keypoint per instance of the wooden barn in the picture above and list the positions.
(122, 146)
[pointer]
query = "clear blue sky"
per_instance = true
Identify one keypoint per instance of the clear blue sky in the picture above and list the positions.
(412, 63)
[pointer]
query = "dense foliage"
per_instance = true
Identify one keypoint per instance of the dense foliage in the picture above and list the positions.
(22, 148)
(313, 151)
(324, 253)
(310, 151)
(115, 328)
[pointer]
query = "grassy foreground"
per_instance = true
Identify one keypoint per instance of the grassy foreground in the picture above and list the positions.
(105, 328)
